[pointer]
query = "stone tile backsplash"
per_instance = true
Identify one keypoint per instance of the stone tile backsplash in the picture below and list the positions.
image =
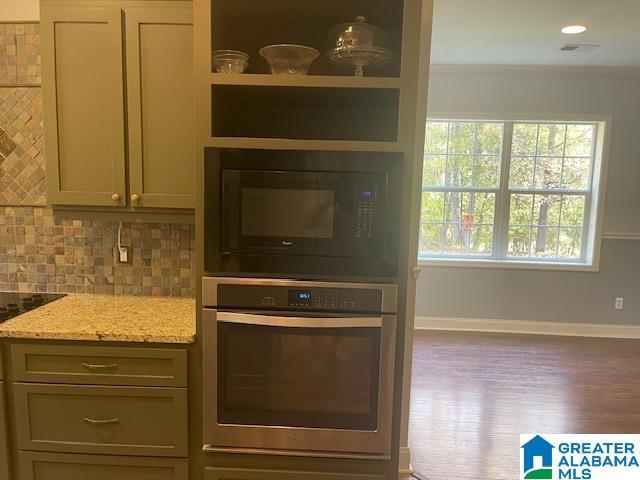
(19, 54)
(22, 177)
(39, 253)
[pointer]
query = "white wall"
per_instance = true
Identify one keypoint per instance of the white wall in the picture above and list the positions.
(547, 295)
(19, 10)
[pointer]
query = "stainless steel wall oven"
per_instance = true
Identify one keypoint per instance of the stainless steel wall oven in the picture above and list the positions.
(302, 214)
(298, 366)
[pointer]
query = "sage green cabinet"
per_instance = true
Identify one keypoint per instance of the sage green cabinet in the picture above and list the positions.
(89, 365)
(83, 105)
(160, 107)
(118, 102)
(4, 444)
(101, 420)
(56, 466)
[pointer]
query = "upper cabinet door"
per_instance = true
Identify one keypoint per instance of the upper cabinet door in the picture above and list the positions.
(83, 105)
(160, 106)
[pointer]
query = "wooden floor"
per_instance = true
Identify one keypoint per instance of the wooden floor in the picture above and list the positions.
(474, 393)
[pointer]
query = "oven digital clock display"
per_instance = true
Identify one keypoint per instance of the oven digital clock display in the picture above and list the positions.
(300, 297)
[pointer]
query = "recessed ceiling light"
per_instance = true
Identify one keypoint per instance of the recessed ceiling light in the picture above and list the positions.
(573, 29)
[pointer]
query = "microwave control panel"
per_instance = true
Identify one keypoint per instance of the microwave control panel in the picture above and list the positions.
(292, 298)
(365, 213)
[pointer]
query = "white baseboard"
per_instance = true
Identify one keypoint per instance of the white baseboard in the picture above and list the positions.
(528, 327)
(404, 461)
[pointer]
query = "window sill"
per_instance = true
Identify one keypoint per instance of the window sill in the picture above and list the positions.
(506, 264)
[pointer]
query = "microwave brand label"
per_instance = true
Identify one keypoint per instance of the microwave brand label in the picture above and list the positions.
(286, 243)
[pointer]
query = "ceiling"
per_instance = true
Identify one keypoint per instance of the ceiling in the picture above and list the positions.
(526, 32)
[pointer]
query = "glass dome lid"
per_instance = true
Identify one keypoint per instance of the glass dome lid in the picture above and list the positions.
(359, 44)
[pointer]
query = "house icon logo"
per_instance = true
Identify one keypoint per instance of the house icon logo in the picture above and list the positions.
(537, 460)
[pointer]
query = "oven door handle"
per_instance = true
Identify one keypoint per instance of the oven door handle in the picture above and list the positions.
(299, 322)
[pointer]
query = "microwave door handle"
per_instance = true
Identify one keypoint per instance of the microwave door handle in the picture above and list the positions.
(299, 322)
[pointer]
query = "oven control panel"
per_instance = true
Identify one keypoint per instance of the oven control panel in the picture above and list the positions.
(300, 298)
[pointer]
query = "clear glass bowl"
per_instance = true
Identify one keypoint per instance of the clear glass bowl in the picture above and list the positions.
(359, 44)
(229, 61)
(286, 59)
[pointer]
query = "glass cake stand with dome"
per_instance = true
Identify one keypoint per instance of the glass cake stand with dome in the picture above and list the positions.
(359, 44)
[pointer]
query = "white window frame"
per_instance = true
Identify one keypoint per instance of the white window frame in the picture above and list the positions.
(594, 199)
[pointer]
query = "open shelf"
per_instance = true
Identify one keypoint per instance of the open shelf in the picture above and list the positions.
(309, 113)
(323, 81)
(249, 25)
(289, 144)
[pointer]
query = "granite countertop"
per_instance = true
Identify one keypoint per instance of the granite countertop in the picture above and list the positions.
(108, 318)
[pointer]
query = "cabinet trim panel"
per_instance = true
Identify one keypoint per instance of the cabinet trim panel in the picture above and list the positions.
(214, 473)
(4, 444)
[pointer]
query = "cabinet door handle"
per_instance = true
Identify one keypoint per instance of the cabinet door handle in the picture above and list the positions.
(135, 198)
(109, 366)
(115, 197)
(92, 421)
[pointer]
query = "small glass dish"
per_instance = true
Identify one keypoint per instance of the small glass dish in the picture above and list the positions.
(229, 61)
(287, 59)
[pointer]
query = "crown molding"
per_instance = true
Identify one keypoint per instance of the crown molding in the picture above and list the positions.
(559, 70)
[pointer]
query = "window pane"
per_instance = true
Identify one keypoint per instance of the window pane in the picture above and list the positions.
(434, 170)
(489, 138)
(459, 171)
(470, 208)
(545, 242)
(462, 137)
(572, 210)
(519, 241)
(525, 137)
(481, 240)
(546, 210)
(548, 172)
(521, 175)
(485, 172)
(430, 239)
(521, 209)
(576, 173)
(456, 239)
(467, 155)
(437, 134)
(551, 139)
(579, 140)
(432, 207)
(570, 243)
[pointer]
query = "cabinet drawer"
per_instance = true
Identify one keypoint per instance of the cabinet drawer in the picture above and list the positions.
(211, 473)
(108, 420)
(56, 466)
(99, 365)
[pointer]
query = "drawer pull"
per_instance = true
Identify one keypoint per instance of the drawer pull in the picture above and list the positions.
(102, 422)
(109, 366)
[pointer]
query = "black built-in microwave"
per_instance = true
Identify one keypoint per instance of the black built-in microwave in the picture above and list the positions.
(302, 214)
